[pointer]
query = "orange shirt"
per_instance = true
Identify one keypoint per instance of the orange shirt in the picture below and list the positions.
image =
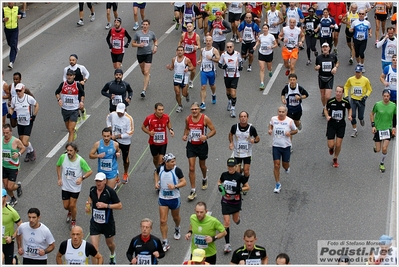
(380, 8)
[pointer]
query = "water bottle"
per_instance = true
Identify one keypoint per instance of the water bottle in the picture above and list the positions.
(222, 190)
(88, 208)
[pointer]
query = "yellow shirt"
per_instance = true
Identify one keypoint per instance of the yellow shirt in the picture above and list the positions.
(213, 7)
(358, 87)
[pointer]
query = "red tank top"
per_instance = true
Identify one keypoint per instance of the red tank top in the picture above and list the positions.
(196, 129)
(189, 43)
(117, 41)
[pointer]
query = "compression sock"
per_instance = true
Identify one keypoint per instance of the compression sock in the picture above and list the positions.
(383, 157)
(227, 237)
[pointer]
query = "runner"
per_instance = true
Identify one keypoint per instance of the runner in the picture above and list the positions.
(327, 26)
(242, 136)
(248, 32)
(108, 6)
(383, 123)
(76, 250)
(266, 43)
(244, 256)
(136, 7)
(190, 13)
(17, 78)
(106, 151)
(70, 97)
(26, 108)
(380, 16)
(178, 10)
(197, 135)
(361, 29)
(231, 62)
(181, 65)
(34, 240)
(9, 217)
(203, 20)
(350, 17)
(312, 27)
(337, 12)
(389, 44)
(101, 202)
(230, 185)
(81, 76)
(293, 12)
(274, 18)
(386, 254)
(191, 43)
(202, 232)
(209, 55)
(198, 258)
(147, 46)
(116, 42)
(389, 78)
(118, 91)
(156, 126)
(11, 17)
(360, 89)
(81, 13)
(13, 148)
(282, 127)
(72, 169)
(218, 30)
(235, 10)
(334, 112)
(145, 249)
(168, 180)
(122, 126)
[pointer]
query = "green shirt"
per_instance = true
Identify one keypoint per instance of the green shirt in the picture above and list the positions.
(10, 216)
(207, 227)
(8, 151)
(383, 115)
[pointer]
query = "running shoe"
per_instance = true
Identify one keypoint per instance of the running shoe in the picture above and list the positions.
(232, 113)
(213, 99)
(79, 119)
(237, 39)
(233, 38)
(308, 62)
(351, 61)
(249, 69)
(188, 97)
(277, 188)
(322, 113)
(80, 23)
(75, 134)
(179, 109)
(142, 94)
(10, 65)
(69, 217)
(136, 26)
(177, 235)
(331, 151)
(354, 133)
(24, 14)
(335, 163)
(27, 156)
(362, 122)
(227, 248)
(125, 178)
(229, 105)
(335, 51)
(190, 85)
(92, 17)
(270, 74)
(204, 184)
(287, 171)
(73, 224)
(13, 202)
(382, 167)
(375, 150)
(112, 260)
(84, 117)
(287, 72)
(300, 126)
(177, 26)
(108, 26)
(192, 195)
(262, 86)
(165, 246)
(19, 189)
(202, 106)
(32, 156)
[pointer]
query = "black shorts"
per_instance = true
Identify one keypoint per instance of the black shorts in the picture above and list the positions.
(125, 151)
(158, 150)
(337, 30)
(376, 137)
(70, 115)
(233, 17)
(178, 8)
(10, 174)
(204, 14)
(219, 45)
(141, 5)
(114, 6)
(27, 261)
(326, 82)
(228, 209)
(335, 128)
(381, 17)
(67, 195)
(200, 151)
(296, 116)
(231, 82)
(144, 58)
(25, 129)
(246, 160)
(117, 57)
(281, 153)
(8, 250)
(107, 229)
(349, 35)
(266, 58)
(247, 47)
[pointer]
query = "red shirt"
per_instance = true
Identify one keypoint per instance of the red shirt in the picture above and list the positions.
(117, 41)
(336, 9)
(158, 125)
(189, 43)
(196, 130)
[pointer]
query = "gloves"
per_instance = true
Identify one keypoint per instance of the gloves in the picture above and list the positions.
(126, 46)
(240, 68)
(32, 118)
(221, 190)
(222, 66)
(8, 115)
(364, 98)
(110, 46)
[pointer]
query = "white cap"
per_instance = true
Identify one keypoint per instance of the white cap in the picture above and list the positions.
(121, 108)
(325, 44)
(19, 86)
(100, 177)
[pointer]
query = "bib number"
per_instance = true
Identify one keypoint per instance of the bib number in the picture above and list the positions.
(195, 134)
(337, 115)
(143, 259)
(99, 216)
(117, 44)
(159, 137)
(106, 164)
(384, 134)
(178, 78)
(199, 241)
(116, 100)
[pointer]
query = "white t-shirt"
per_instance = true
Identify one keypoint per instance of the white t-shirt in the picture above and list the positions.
(280, 128)
(266, 43)
(35, 239)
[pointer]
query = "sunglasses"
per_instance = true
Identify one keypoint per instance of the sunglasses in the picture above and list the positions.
(194, 108)
(229, 46)
(69, 74)
(18, 90)
(362, 13)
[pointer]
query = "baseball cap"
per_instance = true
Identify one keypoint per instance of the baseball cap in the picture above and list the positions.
(358, 68)
(198, 255)
(385, 240)
(218, 13)
(4, 192)
(118, 71)
(249, 7)
(100, 177)
(168, 157)
(19, 86)
(231, 162)
(325, 44)
(310, 9)
(69, 71)
(118, 19)
(121, 108)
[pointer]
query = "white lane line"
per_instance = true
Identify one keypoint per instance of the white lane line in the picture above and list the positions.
(393, 196)
(271, 81)
(41, 30)
(63, 140)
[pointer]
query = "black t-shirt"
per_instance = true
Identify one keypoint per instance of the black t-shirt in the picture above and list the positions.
(336, 109)
(90, 250)
(253, 257)
(327, 63)
(232, 187)
(145, 249)
(252, 131)
(108, 196)
(310, 23)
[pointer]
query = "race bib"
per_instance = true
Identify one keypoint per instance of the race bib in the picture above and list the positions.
(70, 173)
(357, 90)
(143, 259)
(199, 241)
(229, 186)
(106, 164)
(117, 130)
(188, 48)
(168, 193)
(384, 134)
(291, 42)
(252, 262)
(68, 101)
(360, 36)
(7, 156)
(3, 230)
(116, 100)
(159, 137)
(195, 134)
(31, 250)
(326, 66)
(325, 31)
(309, 26)
(207, 66)
(243, 145)
(391, 51)
(230, 71)
(145, 40)
(337, 115)
(117, 44)
(279, 132)
(99, 216)
(178, 77)
(292, 101)
(23, 119)
(188, 18)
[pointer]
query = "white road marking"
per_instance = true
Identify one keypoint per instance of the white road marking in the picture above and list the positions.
(271, 81)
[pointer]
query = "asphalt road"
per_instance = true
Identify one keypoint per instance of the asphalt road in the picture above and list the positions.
(317, 202)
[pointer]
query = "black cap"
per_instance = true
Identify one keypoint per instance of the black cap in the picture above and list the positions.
(69, 71)
(118, 71)
(231, 162)
(118, 19)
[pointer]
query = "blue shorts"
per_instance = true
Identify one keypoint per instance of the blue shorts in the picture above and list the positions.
(14, 115)
(172, 204)
(283, 153)
(5, 109)
(208, 76)
(141, 5)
